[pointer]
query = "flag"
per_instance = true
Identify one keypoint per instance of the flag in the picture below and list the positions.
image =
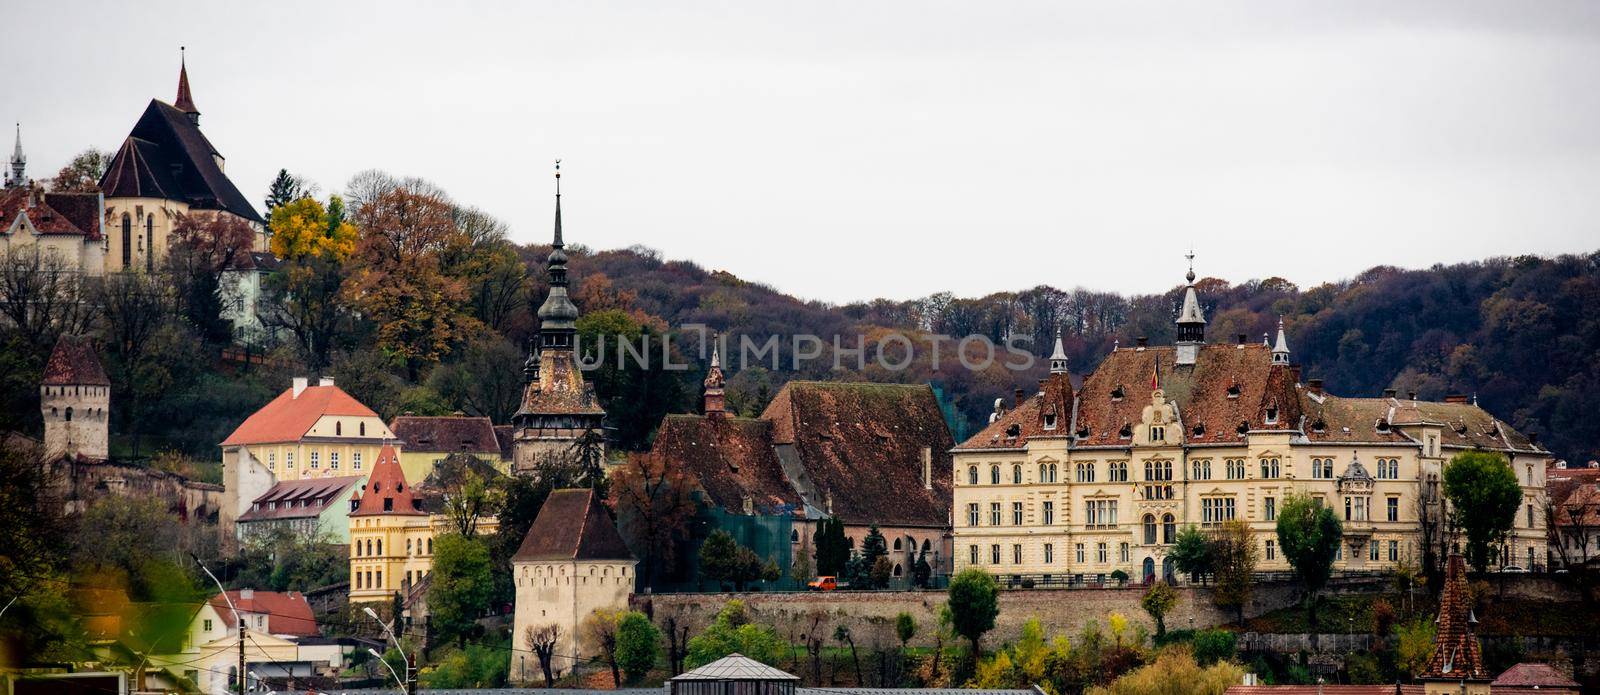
(1155, 377)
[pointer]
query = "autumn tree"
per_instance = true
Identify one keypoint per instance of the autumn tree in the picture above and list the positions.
(1235, 557)
(598, 632)
(479, 378)
(399, 282)
(1158, 600)
(82, 174)
(654, 506)
(205, 245)
(1484, 496)
(312, 243)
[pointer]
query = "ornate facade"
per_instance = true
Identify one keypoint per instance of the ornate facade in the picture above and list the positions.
(1079, 483)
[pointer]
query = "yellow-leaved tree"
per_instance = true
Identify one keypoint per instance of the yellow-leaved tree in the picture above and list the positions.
(304, 228)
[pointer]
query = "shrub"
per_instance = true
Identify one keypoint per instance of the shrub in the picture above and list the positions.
(638, 646)
(1211, 646)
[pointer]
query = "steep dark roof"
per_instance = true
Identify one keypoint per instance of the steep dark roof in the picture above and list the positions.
(74, 362)
(447, 434)
(1456, 652)
(862, 444)
(166, 156)
(572, 525)
(731, 459)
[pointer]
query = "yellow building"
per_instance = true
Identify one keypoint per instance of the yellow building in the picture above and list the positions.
(391, 533)
(1075, 484)
(306, 432)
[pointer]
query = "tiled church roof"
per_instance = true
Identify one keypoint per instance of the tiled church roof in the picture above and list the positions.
(730, 458)
(166, 156)
(862, 443)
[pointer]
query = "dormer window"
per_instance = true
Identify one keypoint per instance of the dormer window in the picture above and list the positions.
(1083, 432)
(1125, 432)
(1243, 427)
(1318, 425)
(1200, 430)
(1272, 415)
(1116, 393)
(1383, 425)
(1049, 421)
(1233, 390)
(1013, 431)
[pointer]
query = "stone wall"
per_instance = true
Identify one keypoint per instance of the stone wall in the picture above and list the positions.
(870, 615)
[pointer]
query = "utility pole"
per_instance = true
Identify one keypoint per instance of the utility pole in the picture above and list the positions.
(243, 676)
(411, 674)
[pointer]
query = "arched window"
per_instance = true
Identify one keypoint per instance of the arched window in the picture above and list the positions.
(1149, 529)
(994, 475)
(1016, 474)
(380, 546)
(896, 544)
(1044, 473)
(150, 243)
(1053, 473)
(972, 475)
(69, 413)
(1169, 529)
(338, 428)
(127, 241)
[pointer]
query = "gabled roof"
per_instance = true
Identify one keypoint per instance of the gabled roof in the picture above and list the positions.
(288, 417)
(1336, 420)
(730, 458)
(572, 525)
(70, 214)
(1024, 422)
(447, 434)
(166, 156)
(74, 362)
(1465, 425)
(1533, 675)
(735, 667)
(287, 613)
(386, 492)
(1227, 385)
(298, 499)
(862, 443)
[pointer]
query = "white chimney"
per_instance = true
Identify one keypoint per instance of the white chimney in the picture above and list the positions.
(247, 594)
(927, 468)
(325, 381)
(299, 385)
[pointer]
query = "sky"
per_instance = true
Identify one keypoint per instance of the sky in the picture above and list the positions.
(848, 150)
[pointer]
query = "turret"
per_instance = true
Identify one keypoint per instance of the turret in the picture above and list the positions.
(714, 407)
(19, 163)
(558, 316)
(1058, 357)
(1280, 350)
(1191, 322)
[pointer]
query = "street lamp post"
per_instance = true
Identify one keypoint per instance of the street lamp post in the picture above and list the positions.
(236, 614)
(409, 683)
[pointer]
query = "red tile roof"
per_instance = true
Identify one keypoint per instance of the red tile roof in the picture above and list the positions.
(73, 214)
(1335, 420)
(1456, 652)
(446, 434)
(1325, 689)
(561, 388)
(731, 459)
(1228, 387)
(74, 362)
(297, 499)
(1465, 425)
(386, 491)
(862, 444)
(572, 525)
(288, 417)
(287, 613)
(1529, 674)
(1026, 422)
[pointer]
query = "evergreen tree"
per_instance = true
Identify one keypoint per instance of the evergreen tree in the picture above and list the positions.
(1192, 554)
(832, 547)
(285, 188)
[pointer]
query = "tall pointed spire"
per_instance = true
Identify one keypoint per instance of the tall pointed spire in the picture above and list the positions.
(1058, 357)
(558, 316)
(1280, 350)
(185, 100)
(1191, 321)
(714, 407)
(19, 163)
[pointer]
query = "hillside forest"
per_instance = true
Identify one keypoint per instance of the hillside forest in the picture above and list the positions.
(415, 303)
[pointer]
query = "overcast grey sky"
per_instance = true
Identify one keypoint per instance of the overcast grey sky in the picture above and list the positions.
(848, 150)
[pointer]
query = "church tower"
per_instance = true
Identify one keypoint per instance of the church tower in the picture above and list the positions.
(559, 409)
(714, 405)
(19, 163)
(1191, 322)
(75, 399)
